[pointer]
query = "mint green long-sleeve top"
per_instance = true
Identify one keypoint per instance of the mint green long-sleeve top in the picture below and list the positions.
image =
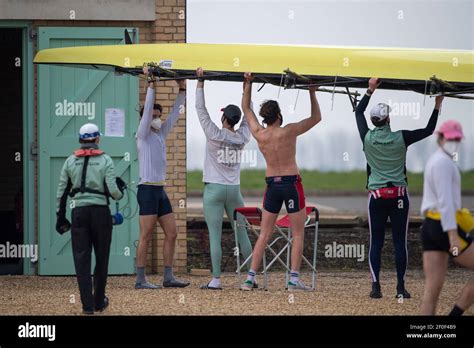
(100, 170)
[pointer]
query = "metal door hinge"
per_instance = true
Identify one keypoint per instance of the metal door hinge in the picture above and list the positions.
(33, 33)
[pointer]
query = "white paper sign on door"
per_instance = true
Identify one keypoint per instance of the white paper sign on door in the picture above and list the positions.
(114, 122)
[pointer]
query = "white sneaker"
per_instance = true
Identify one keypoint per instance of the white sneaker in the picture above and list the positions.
(298, 286)
(247, 285)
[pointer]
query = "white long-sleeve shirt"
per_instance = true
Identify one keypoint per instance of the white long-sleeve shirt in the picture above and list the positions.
(223, 147)
(442, 188)
(151, 145)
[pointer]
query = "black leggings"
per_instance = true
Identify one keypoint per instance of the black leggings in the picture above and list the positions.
(379, 211)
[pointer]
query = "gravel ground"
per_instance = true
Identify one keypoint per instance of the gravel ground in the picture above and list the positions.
(338, 293)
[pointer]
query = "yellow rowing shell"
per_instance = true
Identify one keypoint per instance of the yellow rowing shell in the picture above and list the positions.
(401, 66)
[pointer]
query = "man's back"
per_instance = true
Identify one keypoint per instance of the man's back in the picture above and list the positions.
(100, 172)
(386, 156)
(278, 146)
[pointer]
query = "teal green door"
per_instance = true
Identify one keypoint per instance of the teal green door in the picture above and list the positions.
(58, 128)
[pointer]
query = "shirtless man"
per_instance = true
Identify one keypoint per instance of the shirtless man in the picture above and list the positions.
(278, 146)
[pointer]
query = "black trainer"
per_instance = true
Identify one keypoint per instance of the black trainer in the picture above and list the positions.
(87, 312)
(376, 290)
(402, 292)
(175, 284)
(104, 306)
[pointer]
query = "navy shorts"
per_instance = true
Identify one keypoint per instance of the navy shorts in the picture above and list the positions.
(435, 239)
(287, 189)
(153, 200)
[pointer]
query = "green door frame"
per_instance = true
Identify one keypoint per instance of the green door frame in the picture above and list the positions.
(28, 138)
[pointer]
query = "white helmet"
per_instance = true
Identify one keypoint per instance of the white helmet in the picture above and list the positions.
(89, 131)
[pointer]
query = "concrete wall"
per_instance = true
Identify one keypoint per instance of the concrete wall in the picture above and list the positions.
(107, 10)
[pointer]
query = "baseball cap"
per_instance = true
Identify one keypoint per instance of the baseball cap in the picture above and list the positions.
(232, 113)
(89, 131)
(380, 111)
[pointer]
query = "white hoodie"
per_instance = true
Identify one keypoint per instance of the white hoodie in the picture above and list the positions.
(220, 166)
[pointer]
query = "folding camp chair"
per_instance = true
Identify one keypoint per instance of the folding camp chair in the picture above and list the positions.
(251, 219)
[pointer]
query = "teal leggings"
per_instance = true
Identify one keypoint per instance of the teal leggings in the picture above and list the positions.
(217, 198)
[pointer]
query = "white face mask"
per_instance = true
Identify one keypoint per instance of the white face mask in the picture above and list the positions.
(451, 147)
(156, 123)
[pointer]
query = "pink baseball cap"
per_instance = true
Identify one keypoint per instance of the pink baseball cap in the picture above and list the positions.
(450, 130)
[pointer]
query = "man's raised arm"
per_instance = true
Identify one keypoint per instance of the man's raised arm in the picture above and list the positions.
(246, 107)
(305, 125)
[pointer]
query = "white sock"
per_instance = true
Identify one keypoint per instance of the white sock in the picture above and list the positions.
(251, 275)
(294, 277)
(215, 283)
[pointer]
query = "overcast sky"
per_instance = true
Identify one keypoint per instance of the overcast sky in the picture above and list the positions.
(416, 24)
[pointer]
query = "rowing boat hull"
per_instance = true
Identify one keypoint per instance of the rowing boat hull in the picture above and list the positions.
(399, 66)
